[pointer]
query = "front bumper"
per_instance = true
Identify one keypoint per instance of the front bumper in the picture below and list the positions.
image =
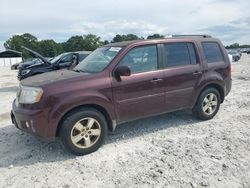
(31, 121)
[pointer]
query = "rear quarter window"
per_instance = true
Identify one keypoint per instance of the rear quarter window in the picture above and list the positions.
(212, 52)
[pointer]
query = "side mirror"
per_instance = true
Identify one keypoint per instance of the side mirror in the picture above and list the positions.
(122, 71)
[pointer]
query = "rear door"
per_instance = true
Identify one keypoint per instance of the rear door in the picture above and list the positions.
(181, 74)
(141, 93)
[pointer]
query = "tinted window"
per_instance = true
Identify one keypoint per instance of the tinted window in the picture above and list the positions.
(141, 59)
(212, 52)
(67, 58)
(82, 56)
(178, 54)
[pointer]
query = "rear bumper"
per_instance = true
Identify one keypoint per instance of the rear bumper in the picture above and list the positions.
(31, 121)
(228, 86)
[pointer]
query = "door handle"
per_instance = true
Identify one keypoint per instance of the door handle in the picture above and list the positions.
(196, 73)
(155, 80)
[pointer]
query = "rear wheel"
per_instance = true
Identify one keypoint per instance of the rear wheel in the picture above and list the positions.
(207, 104)
(83, 131)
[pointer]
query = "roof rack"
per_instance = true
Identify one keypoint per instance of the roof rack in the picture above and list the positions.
(202, 36)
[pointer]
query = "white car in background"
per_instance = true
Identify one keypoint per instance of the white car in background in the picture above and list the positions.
(230, 58)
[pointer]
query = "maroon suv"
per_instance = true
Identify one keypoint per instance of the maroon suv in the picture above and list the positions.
(121, 82)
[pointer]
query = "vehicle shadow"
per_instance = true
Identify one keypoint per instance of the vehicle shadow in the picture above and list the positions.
(151, 124)
(20, 149)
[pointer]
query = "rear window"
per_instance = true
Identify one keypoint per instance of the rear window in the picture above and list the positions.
(212, 52)
(179, 54)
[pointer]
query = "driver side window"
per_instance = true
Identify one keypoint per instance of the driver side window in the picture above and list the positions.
(66, 59)
(141, 59)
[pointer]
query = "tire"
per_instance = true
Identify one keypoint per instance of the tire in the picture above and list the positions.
(13, 67)
(83, 131)
(205, 108)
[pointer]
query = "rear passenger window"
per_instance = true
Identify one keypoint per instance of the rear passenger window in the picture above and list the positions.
(212, 52)
(179, 54)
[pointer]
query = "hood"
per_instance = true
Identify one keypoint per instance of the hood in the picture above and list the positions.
(35, 54)
(32, 63)
(50, 77)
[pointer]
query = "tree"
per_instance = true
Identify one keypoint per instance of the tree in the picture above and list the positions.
(74, 43)
(105, 42)
(132, 37)
(91, 42)
(17, 41)
(128, 37)
(234, 45)
(155, 36)
(49, 48)
(86, 42)
(118, 38)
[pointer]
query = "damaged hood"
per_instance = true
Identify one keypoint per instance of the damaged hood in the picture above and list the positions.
(51, 77)
(35, 54)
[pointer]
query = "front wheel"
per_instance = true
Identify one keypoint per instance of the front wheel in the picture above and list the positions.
(208, 104)
(83, 131)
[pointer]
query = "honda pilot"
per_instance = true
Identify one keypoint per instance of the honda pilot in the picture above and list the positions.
(121, 82)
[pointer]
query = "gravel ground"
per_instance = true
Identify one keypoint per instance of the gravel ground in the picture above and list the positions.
(171, 150)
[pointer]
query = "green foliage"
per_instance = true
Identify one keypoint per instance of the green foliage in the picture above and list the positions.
(129, 37)
(49, 48)
(155, 36)
(89, 42)
(17, 41)
(86, 42)
(236, 45)
(74, 43)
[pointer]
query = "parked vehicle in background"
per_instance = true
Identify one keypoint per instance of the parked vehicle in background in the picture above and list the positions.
(43, 65)
(30, 61)
(245, 50)
(120, 82)
(230, 58)
(235, 54)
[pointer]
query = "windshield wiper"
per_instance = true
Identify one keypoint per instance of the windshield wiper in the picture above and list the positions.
(77, 70)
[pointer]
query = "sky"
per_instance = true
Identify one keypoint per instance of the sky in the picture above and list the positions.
(228, 20)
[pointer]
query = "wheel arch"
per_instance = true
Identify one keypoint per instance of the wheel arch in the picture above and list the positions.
(217, 87)
(93, 106)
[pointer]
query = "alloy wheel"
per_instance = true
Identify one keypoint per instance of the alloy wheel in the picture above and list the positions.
(85, 133)
(210, 104)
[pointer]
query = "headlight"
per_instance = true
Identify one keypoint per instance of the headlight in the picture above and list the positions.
(29, 95)
(25, 71)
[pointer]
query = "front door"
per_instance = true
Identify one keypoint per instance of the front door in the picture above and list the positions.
(141, 93)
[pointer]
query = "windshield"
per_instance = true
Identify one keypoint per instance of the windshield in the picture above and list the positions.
(98, 60)
(54, 60)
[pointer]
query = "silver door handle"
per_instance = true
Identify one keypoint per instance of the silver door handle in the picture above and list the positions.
(197, 73)
(155, 80)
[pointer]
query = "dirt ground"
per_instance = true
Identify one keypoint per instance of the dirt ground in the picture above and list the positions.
(171, 150)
